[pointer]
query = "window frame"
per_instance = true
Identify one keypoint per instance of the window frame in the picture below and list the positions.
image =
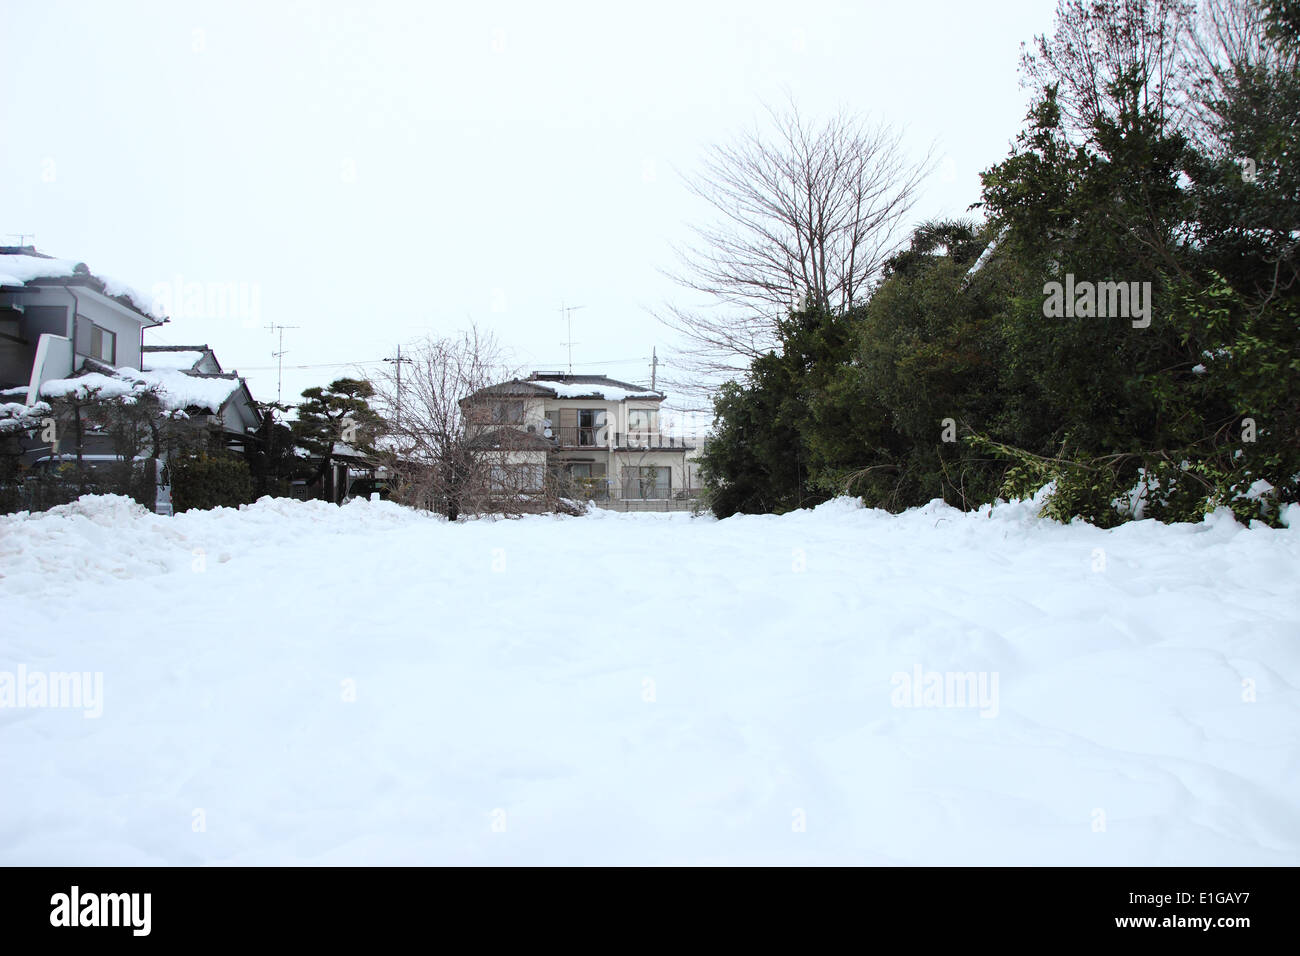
(104, 336)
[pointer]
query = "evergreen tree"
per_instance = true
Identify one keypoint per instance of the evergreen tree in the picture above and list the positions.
(339, 413)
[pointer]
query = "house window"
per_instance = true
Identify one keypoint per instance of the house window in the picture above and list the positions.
(647, 481)
(103, 345)
(508, 413)
(591, 421)
(642, 424)
(642, 420)
(588, 479)
(516, 479)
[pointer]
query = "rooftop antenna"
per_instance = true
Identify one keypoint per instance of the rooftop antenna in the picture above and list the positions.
(22, 237)
(567, 312)
(279, 356)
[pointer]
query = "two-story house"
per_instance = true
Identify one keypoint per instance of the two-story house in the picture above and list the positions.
(597, 436)
(60, 323)
(55, 315)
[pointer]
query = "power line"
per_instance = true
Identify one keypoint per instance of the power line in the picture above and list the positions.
(270, 368)
(537, 362)
(618, 361)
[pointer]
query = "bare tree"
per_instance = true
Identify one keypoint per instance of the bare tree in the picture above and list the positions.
(1226, 40)
(805, 213)
(1096, 43)
(448, 447)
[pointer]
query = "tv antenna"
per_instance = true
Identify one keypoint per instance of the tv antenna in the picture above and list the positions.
(22, 237)
(567, 312)
(279, 356)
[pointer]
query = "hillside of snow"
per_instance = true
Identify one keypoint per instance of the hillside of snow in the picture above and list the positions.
(300, 683)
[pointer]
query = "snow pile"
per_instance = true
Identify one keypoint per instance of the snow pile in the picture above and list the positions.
(20, 269)
(298, 683)
(176, 390)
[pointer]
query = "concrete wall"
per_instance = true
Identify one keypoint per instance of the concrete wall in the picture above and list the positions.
(53, 360)
(30, 324)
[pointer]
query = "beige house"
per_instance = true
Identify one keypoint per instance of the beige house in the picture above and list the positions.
(595, 436)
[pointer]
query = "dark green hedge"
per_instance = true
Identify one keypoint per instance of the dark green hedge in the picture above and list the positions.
(210, 481)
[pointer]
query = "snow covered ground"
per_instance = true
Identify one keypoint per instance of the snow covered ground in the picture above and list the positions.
(302, 683)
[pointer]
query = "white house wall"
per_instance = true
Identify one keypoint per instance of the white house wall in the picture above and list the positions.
(107, 314)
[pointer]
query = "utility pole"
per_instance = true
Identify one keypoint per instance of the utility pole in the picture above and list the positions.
(567, 312)
(654, 368)
(279, 356)
(398, 362)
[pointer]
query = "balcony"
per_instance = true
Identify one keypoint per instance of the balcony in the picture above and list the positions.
(577, 437)
(649, 440)
(580, 437)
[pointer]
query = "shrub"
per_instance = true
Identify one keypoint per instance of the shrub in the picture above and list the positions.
(210, 481)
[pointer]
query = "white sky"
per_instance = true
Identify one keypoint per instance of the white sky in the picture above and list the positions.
(379, 171)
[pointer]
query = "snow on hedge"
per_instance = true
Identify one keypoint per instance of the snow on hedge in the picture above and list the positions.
(369, 684)
(175, 389)
(16, 416)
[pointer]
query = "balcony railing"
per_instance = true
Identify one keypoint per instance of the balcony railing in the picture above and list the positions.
(581, 437)
(577, 437)
(648, 440)
(646, 489)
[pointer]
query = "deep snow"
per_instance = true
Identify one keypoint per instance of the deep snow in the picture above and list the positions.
(648, 688)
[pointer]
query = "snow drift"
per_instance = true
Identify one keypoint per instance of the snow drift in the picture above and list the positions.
(299, 683)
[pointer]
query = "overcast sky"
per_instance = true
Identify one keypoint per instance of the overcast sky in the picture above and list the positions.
(375, 172)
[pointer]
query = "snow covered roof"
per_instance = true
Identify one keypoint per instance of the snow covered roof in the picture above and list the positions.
(183, 357)
(177, 390)
(587, 386)
(23, 265)
(562, 385)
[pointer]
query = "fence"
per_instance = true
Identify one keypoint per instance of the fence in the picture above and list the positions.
(647, 504)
